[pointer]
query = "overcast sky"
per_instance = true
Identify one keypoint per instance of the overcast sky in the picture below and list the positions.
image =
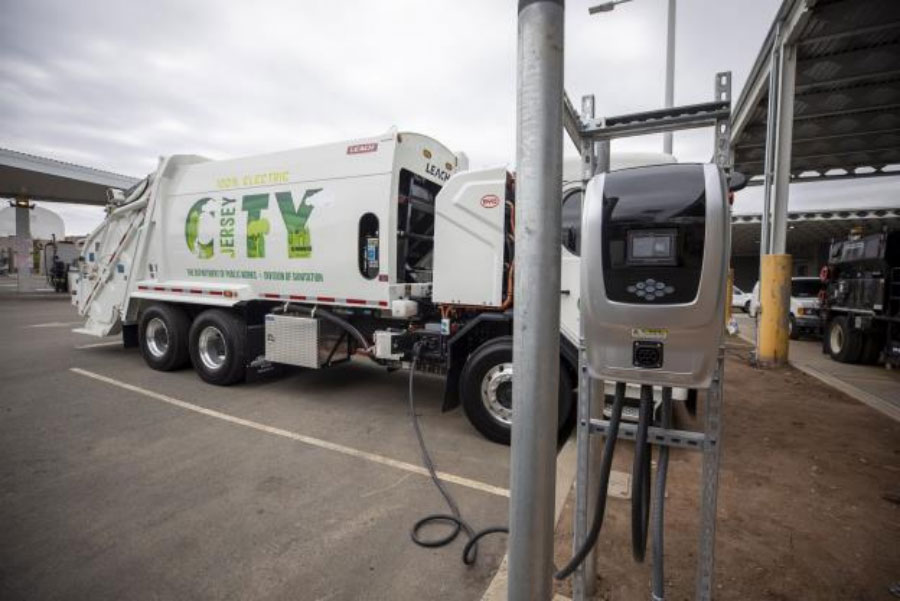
(115, 84)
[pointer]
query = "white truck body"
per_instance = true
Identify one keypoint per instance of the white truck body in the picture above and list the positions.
(219, 232)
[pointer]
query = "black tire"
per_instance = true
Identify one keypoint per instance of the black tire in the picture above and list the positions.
(747, 307)
(165, 346)
(219, 358)
(844, 343)
(793, 330)
(491, 354)
(872, 346)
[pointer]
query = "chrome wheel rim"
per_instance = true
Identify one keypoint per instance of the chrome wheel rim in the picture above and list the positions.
(496, 393)
(836, 339)
(211, 348)
(157, 335)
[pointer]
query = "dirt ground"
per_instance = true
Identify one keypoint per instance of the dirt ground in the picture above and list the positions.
(805, 506)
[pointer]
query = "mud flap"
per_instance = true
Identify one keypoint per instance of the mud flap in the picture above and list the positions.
(257, 367)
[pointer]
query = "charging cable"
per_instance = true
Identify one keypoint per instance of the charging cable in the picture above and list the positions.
(454, 519)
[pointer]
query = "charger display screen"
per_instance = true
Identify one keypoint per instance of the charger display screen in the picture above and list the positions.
(651, 247)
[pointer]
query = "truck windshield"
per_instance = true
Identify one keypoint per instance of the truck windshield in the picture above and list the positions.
(805, 288)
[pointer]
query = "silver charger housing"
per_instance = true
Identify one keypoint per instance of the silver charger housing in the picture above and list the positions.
(655, 251)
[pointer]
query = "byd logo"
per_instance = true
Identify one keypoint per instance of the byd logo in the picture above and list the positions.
(211, 225)
(489, 201)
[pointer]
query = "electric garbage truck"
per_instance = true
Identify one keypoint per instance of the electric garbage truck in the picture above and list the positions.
(385, 247)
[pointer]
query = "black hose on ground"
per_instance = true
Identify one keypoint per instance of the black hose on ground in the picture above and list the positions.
(454, 519)
(662, 469)
(603, 484)
(640, 477)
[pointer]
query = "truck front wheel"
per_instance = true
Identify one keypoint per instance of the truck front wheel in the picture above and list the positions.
(844, 343)
(486, 390)
(218, 339)
(163, 337)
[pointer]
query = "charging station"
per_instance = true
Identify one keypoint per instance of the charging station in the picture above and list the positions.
(652, 313)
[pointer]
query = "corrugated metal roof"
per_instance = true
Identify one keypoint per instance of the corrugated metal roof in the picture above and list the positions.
(847, 97)
(810, 228)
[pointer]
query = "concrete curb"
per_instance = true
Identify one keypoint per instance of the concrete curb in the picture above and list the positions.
(565, 479)
(850, 390)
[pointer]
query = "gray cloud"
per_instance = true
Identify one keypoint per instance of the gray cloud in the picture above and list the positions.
(116, 84)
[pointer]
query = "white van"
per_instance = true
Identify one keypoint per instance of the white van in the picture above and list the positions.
(804, 316)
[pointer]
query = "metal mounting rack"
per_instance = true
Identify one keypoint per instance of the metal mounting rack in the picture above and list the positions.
(592, 137)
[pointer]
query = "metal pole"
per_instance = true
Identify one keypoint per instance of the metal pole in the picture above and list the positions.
(783, 149)
(771, 135)
(590, 398)
(670, 71)
(709, 486)
(536, 319)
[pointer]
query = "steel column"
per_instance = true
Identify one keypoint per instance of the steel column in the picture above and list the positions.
(590, 399)
(536, 319)
(670, 71)
(783, 148)
(23, 246)
(771, 135)
(709, 485)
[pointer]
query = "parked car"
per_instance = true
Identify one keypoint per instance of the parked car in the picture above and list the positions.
(804, 312)
(740, 299)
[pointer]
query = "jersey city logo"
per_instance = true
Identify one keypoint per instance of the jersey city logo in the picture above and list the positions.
(211, 225)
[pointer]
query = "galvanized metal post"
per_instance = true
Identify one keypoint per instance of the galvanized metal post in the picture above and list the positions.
(769, 165)
(670, 71)
(589, 405)
(783, 148)
(771, 134)
(536, 321)
(709, 484)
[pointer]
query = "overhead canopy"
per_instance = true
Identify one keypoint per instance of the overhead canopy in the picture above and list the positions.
(810, 228)
(847, 95)
(39, 178)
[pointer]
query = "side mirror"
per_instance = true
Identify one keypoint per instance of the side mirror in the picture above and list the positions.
(737, 181)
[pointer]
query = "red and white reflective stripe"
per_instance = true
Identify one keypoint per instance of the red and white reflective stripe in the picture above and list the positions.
(192, 291)
(266, 296)
(324, 299)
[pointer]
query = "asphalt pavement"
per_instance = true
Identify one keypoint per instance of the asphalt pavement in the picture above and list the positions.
(119, 482)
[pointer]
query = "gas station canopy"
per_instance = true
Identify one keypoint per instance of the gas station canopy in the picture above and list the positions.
(846, 114)
(38, 178)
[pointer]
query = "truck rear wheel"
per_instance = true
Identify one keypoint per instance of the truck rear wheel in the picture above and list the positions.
(486, 390)
(218, 340)
(844, 343)
(871, 348)
(163, 337)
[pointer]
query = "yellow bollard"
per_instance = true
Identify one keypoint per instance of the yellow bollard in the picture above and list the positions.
(774, 310)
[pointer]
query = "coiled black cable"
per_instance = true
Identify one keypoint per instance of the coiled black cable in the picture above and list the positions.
(603, 484)
(454, 518)
(640, 477)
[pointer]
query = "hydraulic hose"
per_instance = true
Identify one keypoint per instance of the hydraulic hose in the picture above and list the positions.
(640, 477)
(662, 468)
(346, 325)
(603, 485)
(340, 322)
(454, 518)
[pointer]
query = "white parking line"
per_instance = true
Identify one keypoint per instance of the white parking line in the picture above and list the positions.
(316, 442)
(99, 344)
(55, 324)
